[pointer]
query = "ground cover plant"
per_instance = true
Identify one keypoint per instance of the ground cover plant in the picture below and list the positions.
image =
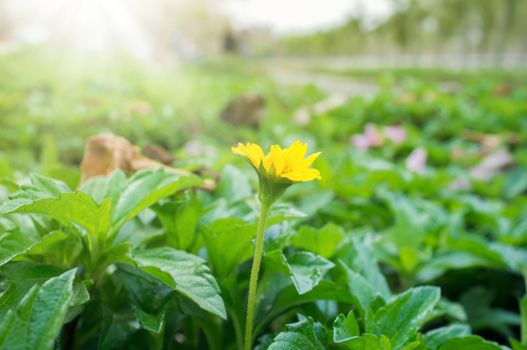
(413, 238)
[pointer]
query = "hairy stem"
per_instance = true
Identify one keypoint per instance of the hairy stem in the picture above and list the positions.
(253, 282)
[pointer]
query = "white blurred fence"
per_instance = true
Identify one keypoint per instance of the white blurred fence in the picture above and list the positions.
(508, 61)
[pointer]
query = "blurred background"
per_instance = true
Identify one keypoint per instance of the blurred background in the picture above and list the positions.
(419, 108)
(384, 33)
(168, 72)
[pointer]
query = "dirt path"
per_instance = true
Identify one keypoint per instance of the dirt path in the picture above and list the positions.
(330, 84)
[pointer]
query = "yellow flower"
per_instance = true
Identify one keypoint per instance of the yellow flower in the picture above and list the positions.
(281, 164)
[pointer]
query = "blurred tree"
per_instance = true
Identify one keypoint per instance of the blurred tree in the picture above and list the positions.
(494, 27)
(4, 21)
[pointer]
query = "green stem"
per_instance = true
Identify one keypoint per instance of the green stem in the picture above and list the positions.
(253, 282)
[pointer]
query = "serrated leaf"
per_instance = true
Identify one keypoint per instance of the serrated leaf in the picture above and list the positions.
(437, 337)
(345, 328)
(469, 343)
(102, 187)
(307, 270)
(369, 342)
(37, 320)
(46, 185)
(186, 273)
(13, 243)
(40, 188)
(146, 188)
(69, 208)
(400, 319)
(301, 335)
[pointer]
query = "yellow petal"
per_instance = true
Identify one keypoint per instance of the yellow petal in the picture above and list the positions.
(303, 176)
(241, 149)
(310, 159)
(288, 163)
(266, 161)
(250, 151)
(255, 154)
(297, 150)
(277, 158)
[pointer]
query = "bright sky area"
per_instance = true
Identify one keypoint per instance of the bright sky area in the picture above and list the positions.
(95, 25)
(293, 16)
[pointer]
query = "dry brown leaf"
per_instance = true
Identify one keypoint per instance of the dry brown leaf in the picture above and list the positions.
(105, 153)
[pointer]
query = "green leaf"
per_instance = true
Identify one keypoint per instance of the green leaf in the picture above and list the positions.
(403, 316)
(302, 335)
(469, 343)
(366, 263)
(437, 337)
(54, 242)
(13, 243)
(180, 220)
(307, 269)
(50, 242)
(234, 185)
(146, 188)
(80, 296)
(58, 248)
(118, 253)
(40, 188)
(477, 302)
(37, 320)
(362, 291)
(45, 185)
(515, 183)
(450, 309)
(369, 342)
(144, 290)
(115, 330)
(288, 297)
(69, 208)
(454, 260)
(102, 187)
(345, 328)
(151, 322)
(21, 276)
(323, 241)
(516, 345)
(186, 273)
(229, 243)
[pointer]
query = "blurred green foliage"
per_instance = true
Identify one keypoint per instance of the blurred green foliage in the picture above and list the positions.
(346, 258)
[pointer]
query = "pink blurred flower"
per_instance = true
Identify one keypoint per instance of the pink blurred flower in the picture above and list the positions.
(416, 161)
(360, 141)
(373, 135)
(395, 133)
